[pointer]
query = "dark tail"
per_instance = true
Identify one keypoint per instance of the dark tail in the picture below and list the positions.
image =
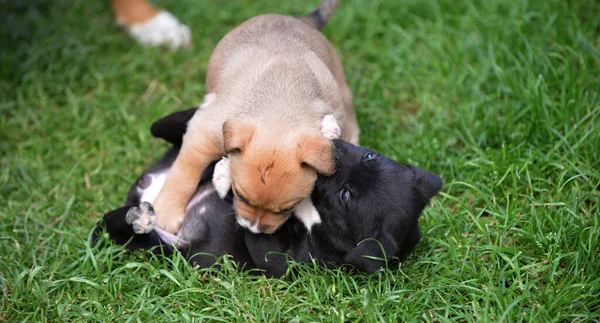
(319, 18)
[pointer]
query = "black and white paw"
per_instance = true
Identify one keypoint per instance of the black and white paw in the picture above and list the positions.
(141, 218)
(222, 177)
(330, 128)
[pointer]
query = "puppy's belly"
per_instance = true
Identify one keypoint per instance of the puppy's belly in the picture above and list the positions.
(204, 204)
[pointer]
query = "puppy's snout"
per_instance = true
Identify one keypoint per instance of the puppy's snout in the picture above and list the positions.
(265, 228)
(258, 220)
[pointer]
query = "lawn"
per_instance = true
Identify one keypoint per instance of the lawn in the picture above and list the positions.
(501, 98)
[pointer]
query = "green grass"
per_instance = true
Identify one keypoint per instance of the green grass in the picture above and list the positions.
(499, 97)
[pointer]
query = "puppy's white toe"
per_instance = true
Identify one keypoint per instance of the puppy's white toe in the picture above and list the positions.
(330, 127)
(141, 218)
(164, 29)
(222, 177)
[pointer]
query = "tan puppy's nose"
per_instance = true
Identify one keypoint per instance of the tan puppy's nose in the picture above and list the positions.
(265, 228)
(259, 220)
(269, 222)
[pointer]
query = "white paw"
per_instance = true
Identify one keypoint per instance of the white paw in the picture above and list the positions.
(222, 177)
(141, 218)
(164, 29)
(330, 127)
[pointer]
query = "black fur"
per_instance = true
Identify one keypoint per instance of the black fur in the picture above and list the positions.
(173, 127)
(378, 219)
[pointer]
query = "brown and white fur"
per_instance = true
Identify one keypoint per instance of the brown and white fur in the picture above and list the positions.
(271, 83)
(149, 25)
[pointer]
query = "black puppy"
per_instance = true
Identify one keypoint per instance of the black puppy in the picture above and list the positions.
(208, 231)
(369, 211)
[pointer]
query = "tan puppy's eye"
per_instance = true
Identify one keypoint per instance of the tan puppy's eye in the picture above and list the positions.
(288, 209)
(241, 197)
(284, 211)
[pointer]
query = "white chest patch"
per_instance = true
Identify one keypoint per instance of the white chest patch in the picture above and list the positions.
(307, 213)
(149, 194)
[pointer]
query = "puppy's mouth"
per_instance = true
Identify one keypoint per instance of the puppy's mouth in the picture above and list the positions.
(254, 228)
(257, 226)
(246, 224)
(258, 220)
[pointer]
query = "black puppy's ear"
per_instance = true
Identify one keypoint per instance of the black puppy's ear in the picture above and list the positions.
(172, 127)
(429, 184)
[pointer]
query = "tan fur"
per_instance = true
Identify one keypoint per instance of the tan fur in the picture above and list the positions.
(310, 152)
(236, 135)
(274, 79)
(131, 12)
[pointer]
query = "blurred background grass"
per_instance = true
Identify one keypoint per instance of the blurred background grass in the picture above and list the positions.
(499, 97)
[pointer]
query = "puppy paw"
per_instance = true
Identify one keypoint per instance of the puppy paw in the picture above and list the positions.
(222, 177)
(141, 218)
(163, 29)
(169, 219)
(330, 128)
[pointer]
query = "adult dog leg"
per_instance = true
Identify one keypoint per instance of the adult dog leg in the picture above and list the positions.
(149, 25)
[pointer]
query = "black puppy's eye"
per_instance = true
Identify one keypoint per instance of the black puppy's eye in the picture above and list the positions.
(369, 155)
(345, 196)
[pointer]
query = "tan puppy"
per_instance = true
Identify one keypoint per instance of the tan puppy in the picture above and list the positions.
(271, 83)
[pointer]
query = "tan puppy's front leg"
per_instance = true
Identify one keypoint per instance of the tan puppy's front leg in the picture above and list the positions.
(198, 150)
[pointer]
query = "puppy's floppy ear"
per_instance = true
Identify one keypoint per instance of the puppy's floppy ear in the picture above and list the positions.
(317, 152)
(429, 184)
(172, 127)
(236, 135)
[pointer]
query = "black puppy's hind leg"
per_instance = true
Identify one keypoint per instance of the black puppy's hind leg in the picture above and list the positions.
(172, 127)
(122, 232)
(142, 219)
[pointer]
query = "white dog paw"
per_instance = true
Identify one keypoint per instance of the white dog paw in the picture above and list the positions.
(222, 177)
(330, 128)
(141, 218)
(164, 29)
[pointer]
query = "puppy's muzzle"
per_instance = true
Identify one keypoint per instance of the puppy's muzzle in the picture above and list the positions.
(258, 220)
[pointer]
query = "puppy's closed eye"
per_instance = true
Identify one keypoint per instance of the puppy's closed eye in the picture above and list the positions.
(284, 211)
(240, 197)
